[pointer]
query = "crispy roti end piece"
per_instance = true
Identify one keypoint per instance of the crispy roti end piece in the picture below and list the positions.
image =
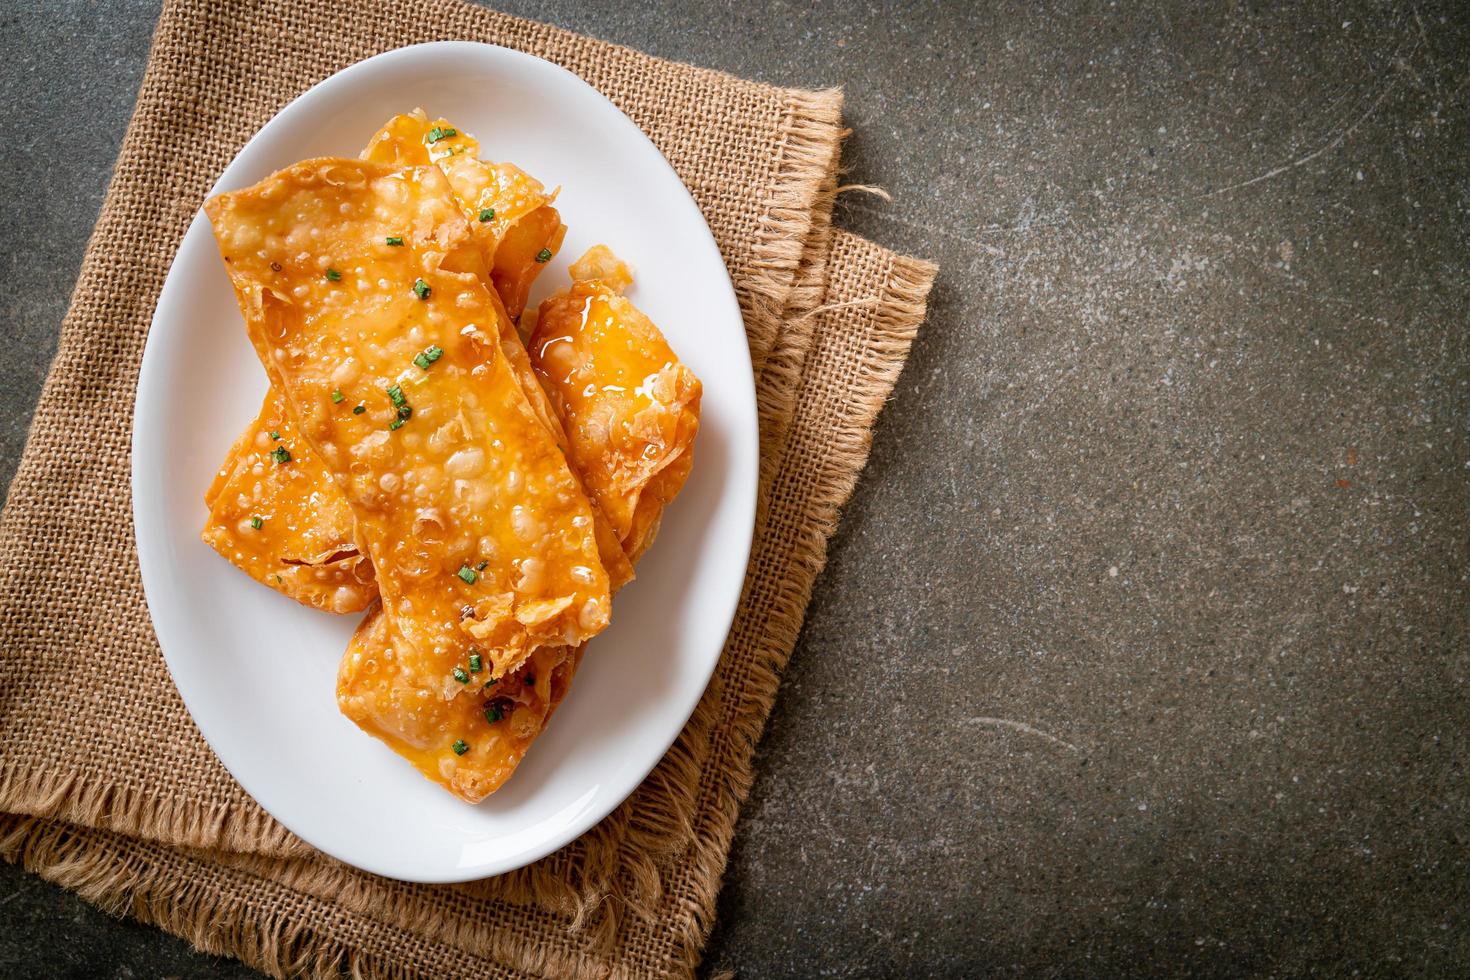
(509, 211)
(275, 514)
(469, 743)
(630, 407)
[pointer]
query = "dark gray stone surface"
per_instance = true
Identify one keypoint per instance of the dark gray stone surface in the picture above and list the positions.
(1143, 646)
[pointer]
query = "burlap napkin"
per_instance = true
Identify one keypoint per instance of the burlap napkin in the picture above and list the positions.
(105, 784)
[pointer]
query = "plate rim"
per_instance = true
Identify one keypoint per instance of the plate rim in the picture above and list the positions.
(151, 383)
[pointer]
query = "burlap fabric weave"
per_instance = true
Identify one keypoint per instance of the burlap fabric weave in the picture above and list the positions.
(106, 785)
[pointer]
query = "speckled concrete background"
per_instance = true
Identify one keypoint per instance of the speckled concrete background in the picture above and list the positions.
(1143, 646)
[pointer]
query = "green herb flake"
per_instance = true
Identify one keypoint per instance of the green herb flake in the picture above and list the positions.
(395, 395)
(481, 567)
(442, 133)
(256, 522)
(459, 747)
(476, 663)
(275, 435)
(405, 412)
(338, 397)
(334, 275)
(358, 409)
(492, 713)
(424, 359)
(395, 425)
(468, 574)
(394, 240)
(487, 213)
(461, 676)
(421, 289)
(281, 455)
(544, 255)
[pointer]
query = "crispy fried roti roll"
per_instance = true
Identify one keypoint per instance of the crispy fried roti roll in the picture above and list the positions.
(275, 513)
(470, 743)
(362, 285)
(509, 211)
(631, 409)
(519, 207)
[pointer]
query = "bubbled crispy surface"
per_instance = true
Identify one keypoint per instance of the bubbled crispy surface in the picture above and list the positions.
(509, 211)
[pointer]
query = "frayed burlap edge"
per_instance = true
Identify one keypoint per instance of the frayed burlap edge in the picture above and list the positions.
(797, 218)
(897, 311)
(99, 867)
(68, 797)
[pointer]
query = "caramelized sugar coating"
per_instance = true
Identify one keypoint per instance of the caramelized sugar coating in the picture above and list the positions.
(631, 409)
(479, 534)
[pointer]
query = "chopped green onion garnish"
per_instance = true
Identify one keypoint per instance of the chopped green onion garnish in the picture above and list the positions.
(429, 356)
(421, 289)
(481, 567)
(275, 435)
(358, 409)
(459, 747)
(461, 676)
(404, 411)
(395, 395)
(492, 713)
(280, 455)
(395, 425)
(468, 574)
(333, 275)
(486, 214)
(476, 664)
(337, 396)
(255, 522)
(394, 240)
(544, 255)
(442, 133)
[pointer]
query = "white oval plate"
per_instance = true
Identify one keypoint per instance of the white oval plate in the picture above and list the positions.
(258, 671)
